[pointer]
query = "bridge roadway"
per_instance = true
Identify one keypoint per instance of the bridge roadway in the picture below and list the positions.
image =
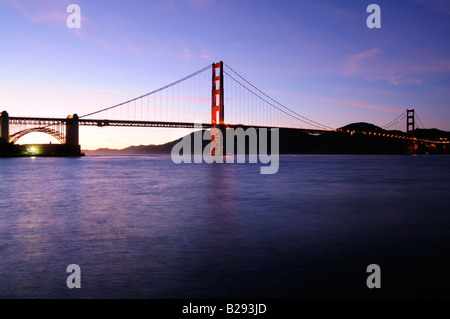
(105, 122)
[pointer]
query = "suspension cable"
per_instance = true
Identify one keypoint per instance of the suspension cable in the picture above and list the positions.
(293, 116)
(395, 121)
(150, 93)
(417, 114)
(305, 119)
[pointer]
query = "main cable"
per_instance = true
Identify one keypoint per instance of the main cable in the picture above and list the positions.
(306, 120)
(150, 93)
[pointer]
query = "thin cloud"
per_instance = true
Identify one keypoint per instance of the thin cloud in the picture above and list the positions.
(35, 13)
(373, 91)
(356, 60)
(187, 53)
(43, 11)
(396, 79)
(48, 11)
(136, 50)
(336, 102)
(204, 52)
(399, 70)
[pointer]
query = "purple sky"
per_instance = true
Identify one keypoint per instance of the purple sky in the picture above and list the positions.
(317, 57)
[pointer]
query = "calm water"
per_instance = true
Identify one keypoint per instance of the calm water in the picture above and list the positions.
(143, 227)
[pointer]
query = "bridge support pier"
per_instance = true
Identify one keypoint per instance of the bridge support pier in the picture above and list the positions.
(4, 128)
(72, 130)
(218, 140)
(72, 134)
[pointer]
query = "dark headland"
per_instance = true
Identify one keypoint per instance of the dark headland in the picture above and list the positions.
(357, 138)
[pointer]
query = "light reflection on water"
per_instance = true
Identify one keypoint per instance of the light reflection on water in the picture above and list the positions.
(144, 227)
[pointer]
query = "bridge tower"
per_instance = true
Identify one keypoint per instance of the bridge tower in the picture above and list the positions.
(410, 125)
(72, 130)
(4, 128)
(217, 110)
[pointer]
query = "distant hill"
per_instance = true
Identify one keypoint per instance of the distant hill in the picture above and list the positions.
(350, 140)
(141, 149)
(362, 126)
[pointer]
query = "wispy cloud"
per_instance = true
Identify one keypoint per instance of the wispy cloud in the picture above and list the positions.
(187, 54)
(335, 101)
(356, 60)
(396, 79)
(48, 11)
(44, 10)
(105, 45)
(373, 91)
(204, 52)
(403, 69)
(136, 50)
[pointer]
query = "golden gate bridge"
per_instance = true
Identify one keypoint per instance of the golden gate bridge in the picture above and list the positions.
(199, 99)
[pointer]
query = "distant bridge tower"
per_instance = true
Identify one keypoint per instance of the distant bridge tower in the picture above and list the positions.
(4, 128)
(410, 122)
(410, 125)
(217, 109)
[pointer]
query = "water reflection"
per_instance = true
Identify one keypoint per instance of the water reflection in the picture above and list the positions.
(144, 227)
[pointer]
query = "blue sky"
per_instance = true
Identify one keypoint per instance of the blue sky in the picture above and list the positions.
(317, 57)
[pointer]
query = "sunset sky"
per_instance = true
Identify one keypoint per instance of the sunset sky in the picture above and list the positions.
(317, 57)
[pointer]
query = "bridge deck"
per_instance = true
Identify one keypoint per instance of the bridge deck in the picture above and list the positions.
(105, 122)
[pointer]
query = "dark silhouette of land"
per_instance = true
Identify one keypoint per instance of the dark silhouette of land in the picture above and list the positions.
(37, 150)
(350, 139)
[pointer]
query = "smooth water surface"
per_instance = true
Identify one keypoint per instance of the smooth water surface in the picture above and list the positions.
(144, 227)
